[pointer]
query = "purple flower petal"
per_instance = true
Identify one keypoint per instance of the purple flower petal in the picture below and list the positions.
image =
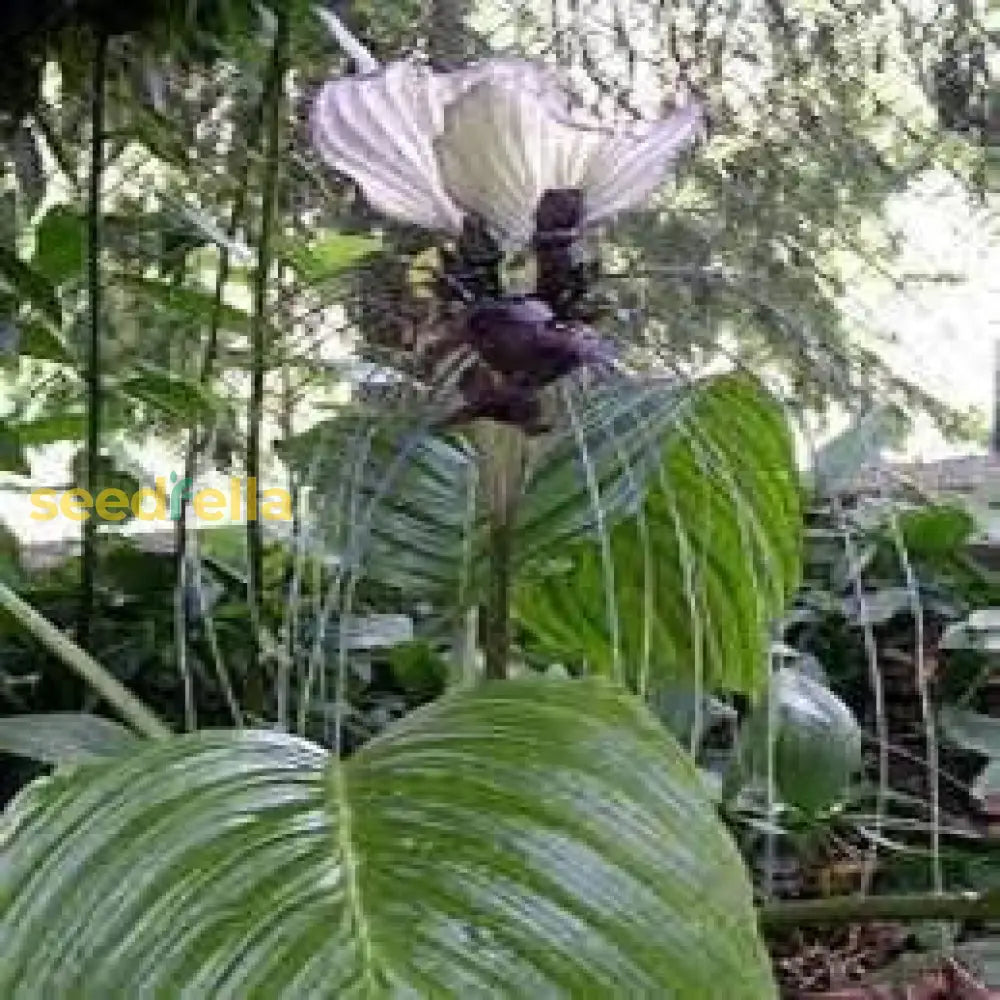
(521, 340)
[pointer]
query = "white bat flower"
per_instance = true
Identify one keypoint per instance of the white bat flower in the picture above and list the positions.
(490, 139)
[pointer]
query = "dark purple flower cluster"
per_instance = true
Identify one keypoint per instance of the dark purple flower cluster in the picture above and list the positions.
(523, 343)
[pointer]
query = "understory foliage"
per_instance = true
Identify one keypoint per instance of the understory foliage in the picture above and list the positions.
(343, 805)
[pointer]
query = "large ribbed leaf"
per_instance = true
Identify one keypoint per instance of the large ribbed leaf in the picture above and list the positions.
(534, 838)
(696, 579)
(58, 737)
(399, 503)
(409, 507)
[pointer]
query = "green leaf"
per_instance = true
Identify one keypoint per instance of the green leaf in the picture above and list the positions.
(38, 340)
(521, 839)
(30, 284)
(699, 577)
(418, 503)
(400, 504)
(62, 737)
(12, 456)
(156, 132)
(171, 394)
(817, 743)
(195, 304)
(936, 531)
(10, 555)
(49, 429)
(328, 255)
(61, 245)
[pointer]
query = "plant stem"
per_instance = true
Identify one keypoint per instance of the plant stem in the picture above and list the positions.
(912, 906)
(271, 110)
(498, 601)
(93, 379)
(503, 453)
(195, 446)
(450, 41)
(130, 708)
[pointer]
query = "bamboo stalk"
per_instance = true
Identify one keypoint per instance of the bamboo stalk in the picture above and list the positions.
(126, 704)
(93, 375)
(271, 118)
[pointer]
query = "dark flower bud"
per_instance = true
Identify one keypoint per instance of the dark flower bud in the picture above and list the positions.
(562, 281)
(505, 403)
(558, 216)
(521, 339)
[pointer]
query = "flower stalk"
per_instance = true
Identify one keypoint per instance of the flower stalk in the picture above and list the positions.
(503, 449)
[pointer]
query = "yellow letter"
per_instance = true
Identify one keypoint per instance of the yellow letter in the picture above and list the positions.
(283, 501)
(74, 503)
(45, 501)
(159, 511)
(201, 502)
(111, 505)
(251, 499)
(235, 503)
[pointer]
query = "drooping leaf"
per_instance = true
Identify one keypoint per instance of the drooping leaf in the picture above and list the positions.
(169, 393)
(936, 531)
(525, 838)
(192, 303)
(699, 576)
(63, 737)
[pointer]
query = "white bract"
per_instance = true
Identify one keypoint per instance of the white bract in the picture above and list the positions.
(428, 148)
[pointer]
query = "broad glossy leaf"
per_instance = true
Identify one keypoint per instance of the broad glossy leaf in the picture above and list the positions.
(408, 506)
(700, 574)
(536, 838)
(61, 737)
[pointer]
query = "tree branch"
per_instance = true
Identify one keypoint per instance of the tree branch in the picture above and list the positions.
(852, 909)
